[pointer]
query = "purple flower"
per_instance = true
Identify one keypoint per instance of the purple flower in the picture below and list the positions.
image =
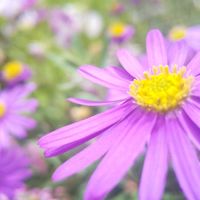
(14, 107)
(191, 35)
(160, 108)
(63, 27)
(11, 9)
(15, 72)
(30, 18)
(13, 170)
(120, 32)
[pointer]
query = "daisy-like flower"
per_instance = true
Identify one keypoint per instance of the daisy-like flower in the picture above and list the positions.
(191, 35)
(120, 32)
(15, 72)
(160, 108)
(14, 107)
(14, 170)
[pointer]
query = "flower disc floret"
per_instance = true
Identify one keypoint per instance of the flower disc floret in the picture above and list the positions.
(162, 90)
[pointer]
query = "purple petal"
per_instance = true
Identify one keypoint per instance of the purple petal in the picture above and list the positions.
(25, 122)
(190, 127)
(156, 49)
(26, 106)
(103, 77)
(195, 92)
(120, 157)
(91, 153)
(155, 165)
(194, 64)
(193, 37)
(184, 160)
(143, 60)
(178, 52)
(5, 139)
(113, 95)
(15, 129)
(130, 63)
(94, 103)
(86, 129)
(23, 91)
(193, 112)
(119, 72)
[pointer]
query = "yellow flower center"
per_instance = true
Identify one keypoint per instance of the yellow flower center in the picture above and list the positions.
(177, 33)
(161, 90)
(117, 29)
(2, 109)
(12, 70)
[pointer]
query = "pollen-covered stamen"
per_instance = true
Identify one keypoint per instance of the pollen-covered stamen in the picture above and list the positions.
(2, 109)
(162, 89)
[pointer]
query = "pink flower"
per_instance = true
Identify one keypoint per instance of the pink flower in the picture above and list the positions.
(15, 72)
(13, 170)
(160, 108)
(14, 106)
(119, 32)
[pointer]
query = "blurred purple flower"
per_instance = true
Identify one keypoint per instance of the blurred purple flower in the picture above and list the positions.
(14, 170)
(63, 27)
(38, 163)
(10, 8)
(191, 35)
(15, 72)
(120, 33)
(160, 108)
(30, 18)
(14, 106)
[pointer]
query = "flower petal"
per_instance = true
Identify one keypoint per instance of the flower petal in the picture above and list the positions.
(156, 49)
(29, 105)
(193, 112)
(91, 153)
(5, 139)
(119, 72)
(178, 52)
(62, 149)
(86, 102)
(155, 165)
(85, 129)
(23, 121)
(193, 37)
(194, 64)
(130, 63)
(103, 77)
(120, 157)
(113, 95)
(184, 160)
(190, 127)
